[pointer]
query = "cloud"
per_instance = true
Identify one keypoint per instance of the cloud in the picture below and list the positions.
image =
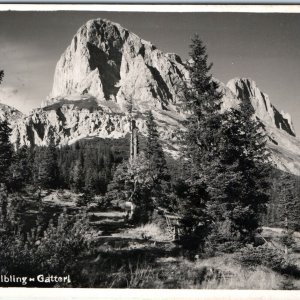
(11, 96)
(8, 92)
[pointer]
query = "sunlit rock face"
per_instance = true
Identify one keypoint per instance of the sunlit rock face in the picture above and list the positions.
(109, 63)
(9, 113)
(108, 71)
(14, 118)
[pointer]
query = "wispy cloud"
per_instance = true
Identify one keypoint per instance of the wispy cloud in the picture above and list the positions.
(28, 74)
(11, 96)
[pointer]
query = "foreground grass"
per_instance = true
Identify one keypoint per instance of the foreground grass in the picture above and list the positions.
(142, 258)
(148, 231)
(229, 274)
(212, 273)
(158, 268)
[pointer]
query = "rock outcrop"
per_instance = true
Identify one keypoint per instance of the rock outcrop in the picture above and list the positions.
(107, 71)
(10, 113)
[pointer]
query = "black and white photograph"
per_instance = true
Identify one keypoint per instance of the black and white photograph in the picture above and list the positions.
(149, 150)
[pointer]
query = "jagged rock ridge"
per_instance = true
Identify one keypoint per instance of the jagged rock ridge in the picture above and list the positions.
(284, 146)
(106, 69)
(246, 90)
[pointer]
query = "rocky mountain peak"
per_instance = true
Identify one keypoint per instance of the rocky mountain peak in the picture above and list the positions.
(245, 89)
(106, 61)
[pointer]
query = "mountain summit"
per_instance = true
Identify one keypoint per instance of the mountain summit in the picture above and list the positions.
(109, 63)
(108, 71)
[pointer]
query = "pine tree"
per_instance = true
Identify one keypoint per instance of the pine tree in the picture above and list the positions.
(91, 180)
(118, 189)
(46, 168)
(6, 148)
(288, 205)
(3, 205)
(18, 141)
(6, 151)
(20, 169)
(227, 185)
(77, 175)
(238, 176)
(202, 100)
(157, 166)
(1, 75)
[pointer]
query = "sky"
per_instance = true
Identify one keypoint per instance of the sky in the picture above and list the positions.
(264, 47)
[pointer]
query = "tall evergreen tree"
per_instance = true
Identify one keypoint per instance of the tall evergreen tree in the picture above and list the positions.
(1, 75)
(237, 177)
(288, 206)
(77, 174)
(157, 166)
(202, 100)
(20, 169)
(6, 151)
(6, 148)
(46, 168)
(227, 161)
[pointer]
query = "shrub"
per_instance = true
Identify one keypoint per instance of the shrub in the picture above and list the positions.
(274, 259)
(53, 251)
(288, 240)
(15, 256)
(223, 239)
(61, 245)
(287, 284)
(84, 199)
(149, 231)
(136, 276)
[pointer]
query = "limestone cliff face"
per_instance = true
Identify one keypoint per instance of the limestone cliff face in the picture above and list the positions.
(108, 71)
(87, 118)
(106, 61)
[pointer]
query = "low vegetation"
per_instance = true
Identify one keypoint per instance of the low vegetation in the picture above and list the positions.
(149, 231)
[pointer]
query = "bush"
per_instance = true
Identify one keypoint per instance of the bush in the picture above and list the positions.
(288, 240)
(53, 251)
(61, 245)
(84, 199)
(274, 259)
(15, 256)
(136, 276)
(223, 239)
(149, 231)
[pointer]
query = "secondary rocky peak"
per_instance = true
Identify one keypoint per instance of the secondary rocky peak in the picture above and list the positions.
(9, 113)
(245, 89)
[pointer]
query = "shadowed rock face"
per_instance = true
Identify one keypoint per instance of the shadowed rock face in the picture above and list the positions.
(106, 68)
